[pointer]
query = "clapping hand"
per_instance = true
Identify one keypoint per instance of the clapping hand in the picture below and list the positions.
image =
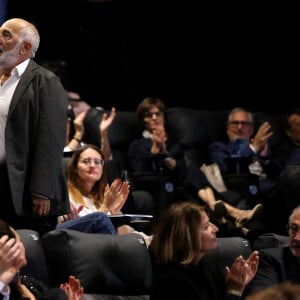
(241, 272)
(116, 195)
(260, 140)
(107, 120)
(12, 258)
(159, 139)
(73, 288)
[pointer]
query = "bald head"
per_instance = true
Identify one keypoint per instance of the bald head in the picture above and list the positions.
(19, 40)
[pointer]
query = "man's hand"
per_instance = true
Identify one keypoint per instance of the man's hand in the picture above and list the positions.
(40, 206)
(260, 141)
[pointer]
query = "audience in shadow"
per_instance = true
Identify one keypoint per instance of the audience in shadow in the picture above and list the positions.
(158, 153)
(279, 264)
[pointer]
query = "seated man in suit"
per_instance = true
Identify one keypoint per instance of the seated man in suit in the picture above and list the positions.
(247, 165)
(279, 264)
(249, 151)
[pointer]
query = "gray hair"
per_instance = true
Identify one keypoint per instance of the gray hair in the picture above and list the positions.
(296, 211)
(240, 109)
(28, 33)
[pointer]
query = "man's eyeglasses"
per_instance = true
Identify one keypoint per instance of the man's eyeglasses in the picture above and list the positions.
(152, 114)
(97, 161)
(292, 228)
(243, 123)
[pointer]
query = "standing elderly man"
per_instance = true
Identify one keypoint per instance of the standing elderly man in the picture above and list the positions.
(33, 106)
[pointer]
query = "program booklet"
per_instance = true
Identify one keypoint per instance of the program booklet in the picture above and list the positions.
(130, 219)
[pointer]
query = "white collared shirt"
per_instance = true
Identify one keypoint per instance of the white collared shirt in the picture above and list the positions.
(7, 91)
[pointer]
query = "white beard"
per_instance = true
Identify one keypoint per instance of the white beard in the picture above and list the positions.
(10, 58)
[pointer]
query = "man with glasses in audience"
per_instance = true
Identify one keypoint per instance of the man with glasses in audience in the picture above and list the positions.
(280, 264)
(243, 146)
(245, 163)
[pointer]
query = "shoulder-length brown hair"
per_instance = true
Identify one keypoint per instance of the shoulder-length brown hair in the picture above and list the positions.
(177, 236)
(147, 104)
(97, 193)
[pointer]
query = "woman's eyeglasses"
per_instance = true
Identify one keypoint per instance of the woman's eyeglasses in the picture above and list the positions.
(152, 114)
(97, 161)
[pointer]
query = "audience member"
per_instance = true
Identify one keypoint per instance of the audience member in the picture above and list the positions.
(181, 239)
(77, 103)
(287, 154)
(75, 131)
(139, 201)
(157, 153)
(13, 285)
(248, 167)
(32, 133)
(282, 263)
(245, 148)
(281, 291)
(90, 193)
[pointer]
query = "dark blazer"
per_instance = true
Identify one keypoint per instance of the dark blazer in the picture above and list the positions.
(35, 137)
(142, 160)
(221, 153)
(174, 281)
(275, 266)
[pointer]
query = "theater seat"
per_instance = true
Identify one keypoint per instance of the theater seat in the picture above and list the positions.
(105, 264)
(36, 262)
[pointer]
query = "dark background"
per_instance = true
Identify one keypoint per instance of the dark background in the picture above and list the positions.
(211, 57)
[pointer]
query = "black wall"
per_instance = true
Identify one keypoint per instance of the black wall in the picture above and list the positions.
(216, 57)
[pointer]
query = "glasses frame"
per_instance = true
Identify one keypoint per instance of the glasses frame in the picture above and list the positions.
(151, 114)
(237, 123)
(292, 228)
(97, 162)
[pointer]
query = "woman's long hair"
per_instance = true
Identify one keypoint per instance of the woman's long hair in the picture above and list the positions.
(176, 235)
(74, 184)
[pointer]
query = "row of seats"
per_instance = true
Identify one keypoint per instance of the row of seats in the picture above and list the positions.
(118, 267)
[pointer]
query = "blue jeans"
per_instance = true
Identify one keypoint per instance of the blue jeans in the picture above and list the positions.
(97, 222)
